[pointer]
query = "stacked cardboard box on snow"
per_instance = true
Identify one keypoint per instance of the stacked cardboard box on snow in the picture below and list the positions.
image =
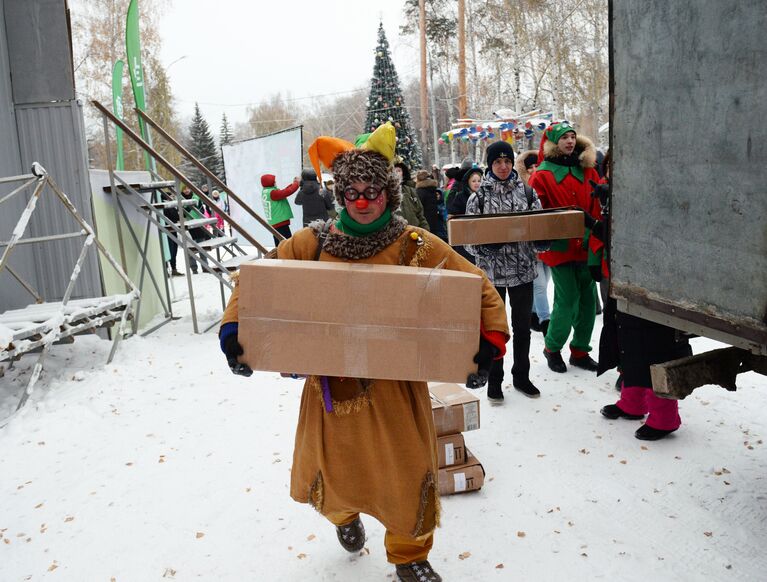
(455, 410)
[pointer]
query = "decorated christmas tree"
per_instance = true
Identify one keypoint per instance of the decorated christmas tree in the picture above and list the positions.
(385, 103)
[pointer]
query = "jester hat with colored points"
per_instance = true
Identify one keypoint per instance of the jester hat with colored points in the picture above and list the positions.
(369, 160)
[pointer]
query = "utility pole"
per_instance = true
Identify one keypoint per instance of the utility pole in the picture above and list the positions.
(462, 59)
(424, 96)
(435, 132)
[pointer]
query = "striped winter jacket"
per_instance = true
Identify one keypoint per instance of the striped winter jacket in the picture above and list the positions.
(508, 264)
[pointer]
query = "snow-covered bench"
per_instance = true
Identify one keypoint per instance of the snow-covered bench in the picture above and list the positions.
(41, 324)
(27, 329)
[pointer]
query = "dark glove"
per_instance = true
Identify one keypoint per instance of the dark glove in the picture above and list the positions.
(597, 226)
(494, 247)
(598, 230)
(232, 349)
(596, 272)
(601, 191)
(484, 360)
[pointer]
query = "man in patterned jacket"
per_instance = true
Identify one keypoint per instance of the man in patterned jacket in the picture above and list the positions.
(509, 266)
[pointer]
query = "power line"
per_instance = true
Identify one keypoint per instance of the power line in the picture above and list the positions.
(292, 99)
(299, 118)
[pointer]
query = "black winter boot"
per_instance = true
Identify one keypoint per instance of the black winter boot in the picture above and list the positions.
(535, 325)
(613, 411)
(495, 393)
(584, 362)
(352, 535)
(527, 388)
(417, 572)
(648, 433)
(555, 361)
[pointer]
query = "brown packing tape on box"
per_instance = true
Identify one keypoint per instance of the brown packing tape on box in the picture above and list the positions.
(451, 450)
(358, 320)
(454, 409)
(523, 226)
(461, 478)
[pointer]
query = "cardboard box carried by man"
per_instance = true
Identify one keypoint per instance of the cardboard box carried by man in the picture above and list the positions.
(557, 223)
(430, 333)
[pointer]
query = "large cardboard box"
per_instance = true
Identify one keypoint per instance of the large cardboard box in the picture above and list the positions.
(359, 321)
(557, 223)
(451, 450)
(460, 478)
(454, 408)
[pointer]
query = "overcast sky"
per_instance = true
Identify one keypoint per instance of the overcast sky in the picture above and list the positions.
(238, 52)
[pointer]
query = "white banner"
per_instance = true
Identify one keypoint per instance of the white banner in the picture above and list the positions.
(246, 161)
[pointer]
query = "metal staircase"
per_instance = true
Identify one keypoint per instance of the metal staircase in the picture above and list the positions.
(217, 253)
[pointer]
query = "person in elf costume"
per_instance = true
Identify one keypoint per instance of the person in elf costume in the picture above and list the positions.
(367, 445)
(566, 163)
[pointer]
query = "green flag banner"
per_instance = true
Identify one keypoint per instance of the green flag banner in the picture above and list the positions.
(117, 108)
(136, 71)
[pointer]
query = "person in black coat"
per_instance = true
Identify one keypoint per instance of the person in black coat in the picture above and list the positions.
(432, 202)
(315, 205)
(457, 203)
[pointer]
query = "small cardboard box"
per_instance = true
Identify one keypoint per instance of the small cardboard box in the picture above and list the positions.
(451, 450)
(460, 478)
(455, 409)
(358, 320)
(557, 223)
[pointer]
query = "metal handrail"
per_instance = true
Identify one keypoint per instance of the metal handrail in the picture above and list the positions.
(176, 172)
(208, 174)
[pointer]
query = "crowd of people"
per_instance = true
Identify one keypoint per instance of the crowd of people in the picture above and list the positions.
(353, 431)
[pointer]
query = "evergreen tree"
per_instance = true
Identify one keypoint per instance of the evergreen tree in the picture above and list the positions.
(225, 137)
(385, 103)
(203, 147)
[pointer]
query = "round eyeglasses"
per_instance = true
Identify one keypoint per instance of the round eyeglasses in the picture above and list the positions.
(371, 193)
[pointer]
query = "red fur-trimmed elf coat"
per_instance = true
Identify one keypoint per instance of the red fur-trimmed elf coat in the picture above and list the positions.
(560, 189)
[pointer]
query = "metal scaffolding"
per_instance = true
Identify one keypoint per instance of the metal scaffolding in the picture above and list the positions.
(218, 254)
(41, 324)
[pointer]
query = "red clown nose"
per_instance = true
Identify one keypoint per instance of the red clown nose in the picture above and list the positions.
(361, 203)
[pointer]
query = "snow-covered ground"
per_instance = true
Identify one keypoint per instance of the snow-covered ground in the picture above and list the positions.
(164, 466)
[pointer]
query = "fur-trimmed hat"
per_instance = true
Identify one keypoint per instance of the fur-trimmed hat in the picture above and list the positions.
(365, 166)
(524, 162)
(424, 179)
